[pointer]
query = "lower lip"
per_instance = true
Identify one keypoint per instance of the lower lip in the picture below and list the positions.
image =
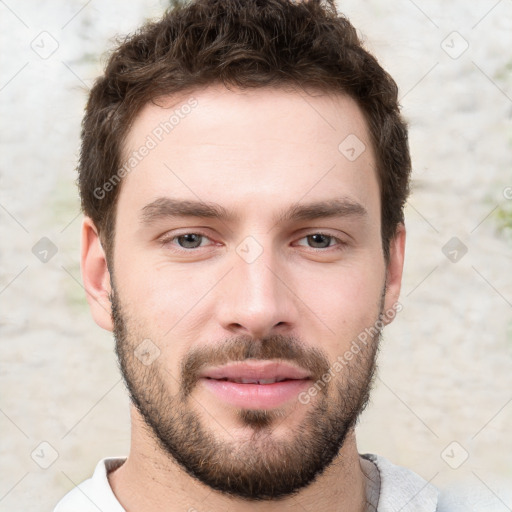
(256, 396)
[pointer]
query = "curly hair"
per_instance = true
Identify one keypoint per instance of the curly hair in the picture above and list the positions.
(242, 44)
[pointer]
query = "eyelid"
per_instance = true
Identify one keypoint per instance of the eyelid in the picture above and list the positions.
(324, 233)
(168, 238)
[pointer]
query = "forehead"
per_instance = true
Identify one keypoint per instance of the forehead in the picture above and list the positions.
(247, 148)
(325, 117)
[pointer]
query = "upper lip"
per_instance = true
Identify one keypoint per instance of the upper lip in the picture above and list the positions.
(257, 370)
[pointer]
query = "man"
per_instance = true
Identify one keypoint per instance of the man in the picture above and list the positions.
(243, 172)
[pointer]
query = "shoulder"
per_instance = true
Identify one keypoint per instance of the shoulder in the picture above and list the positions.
(477, 495)
(403, 489)
(95, 492)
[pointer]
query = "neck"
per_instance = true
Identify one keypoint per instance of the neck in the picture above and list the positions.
(151, 480)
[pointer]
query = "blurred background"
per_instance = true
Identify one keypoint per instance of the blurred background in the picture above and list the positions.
(442, 404)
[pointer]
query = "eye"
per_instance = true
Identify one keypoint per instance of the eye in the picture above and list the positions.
(185, 241)
(322, 240)
(190, 240)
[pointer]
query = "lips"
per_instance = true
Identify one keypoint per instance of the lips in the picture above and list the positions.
(255, 384)
(254, 381)
(256, 372)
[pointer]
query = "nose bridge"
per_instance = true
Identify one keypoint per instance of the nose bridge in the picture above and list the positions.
(257, 297)
(256, 267)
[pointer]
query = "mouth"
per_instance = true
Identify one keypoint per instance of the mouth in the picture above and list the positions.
(256, 384)
(254, 371)
(253, 381)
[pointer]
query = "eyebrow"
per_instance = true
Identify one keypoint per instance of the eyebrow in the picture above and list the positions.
(167, 207)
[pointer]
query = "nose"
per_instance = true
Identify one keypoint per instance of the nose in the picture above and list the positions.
(257, 297)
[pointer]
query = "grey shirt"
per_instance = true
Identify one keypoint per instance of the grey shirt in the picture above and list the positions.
(391, 488)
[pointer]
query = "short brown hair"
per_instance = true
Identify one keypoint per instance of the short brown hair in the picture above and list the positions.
(241, 43)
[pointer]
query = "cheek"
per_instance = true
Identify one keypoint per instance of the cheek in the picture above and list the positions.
(344, 302)
(160, 298)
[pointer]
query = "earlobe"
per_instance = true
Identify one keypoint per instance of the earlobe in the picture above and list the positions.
(394, 273)
(95, 275)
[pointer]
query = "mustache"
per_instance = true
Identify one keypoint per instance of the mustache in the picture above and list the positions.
(241, 348)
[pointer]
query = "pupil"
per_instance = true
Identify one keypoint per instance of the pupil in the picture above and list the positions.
(325, 237)
(190, 239)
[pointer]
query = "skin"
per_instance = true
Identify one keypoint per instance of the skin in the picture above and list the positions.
(254, 152)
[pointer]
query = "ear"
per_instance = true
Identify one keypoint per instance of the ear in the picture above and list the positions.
(95, 275)
(394, 272)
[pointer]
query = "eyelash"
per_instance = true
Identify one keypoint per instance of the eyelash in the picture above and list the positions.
(166, 241)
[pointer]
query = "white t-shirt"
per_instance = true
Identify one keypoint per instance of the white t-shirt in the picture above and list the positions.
(389, 488)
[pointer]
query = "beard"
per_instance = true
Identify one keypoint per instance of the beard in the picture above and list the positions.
(262, 466)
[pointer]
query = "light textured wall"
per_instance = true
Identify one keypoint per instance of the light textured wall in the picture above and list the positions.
(445, 384)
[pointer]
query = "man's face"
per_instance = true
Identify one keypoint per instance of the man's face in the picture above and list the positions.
(264, 293)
